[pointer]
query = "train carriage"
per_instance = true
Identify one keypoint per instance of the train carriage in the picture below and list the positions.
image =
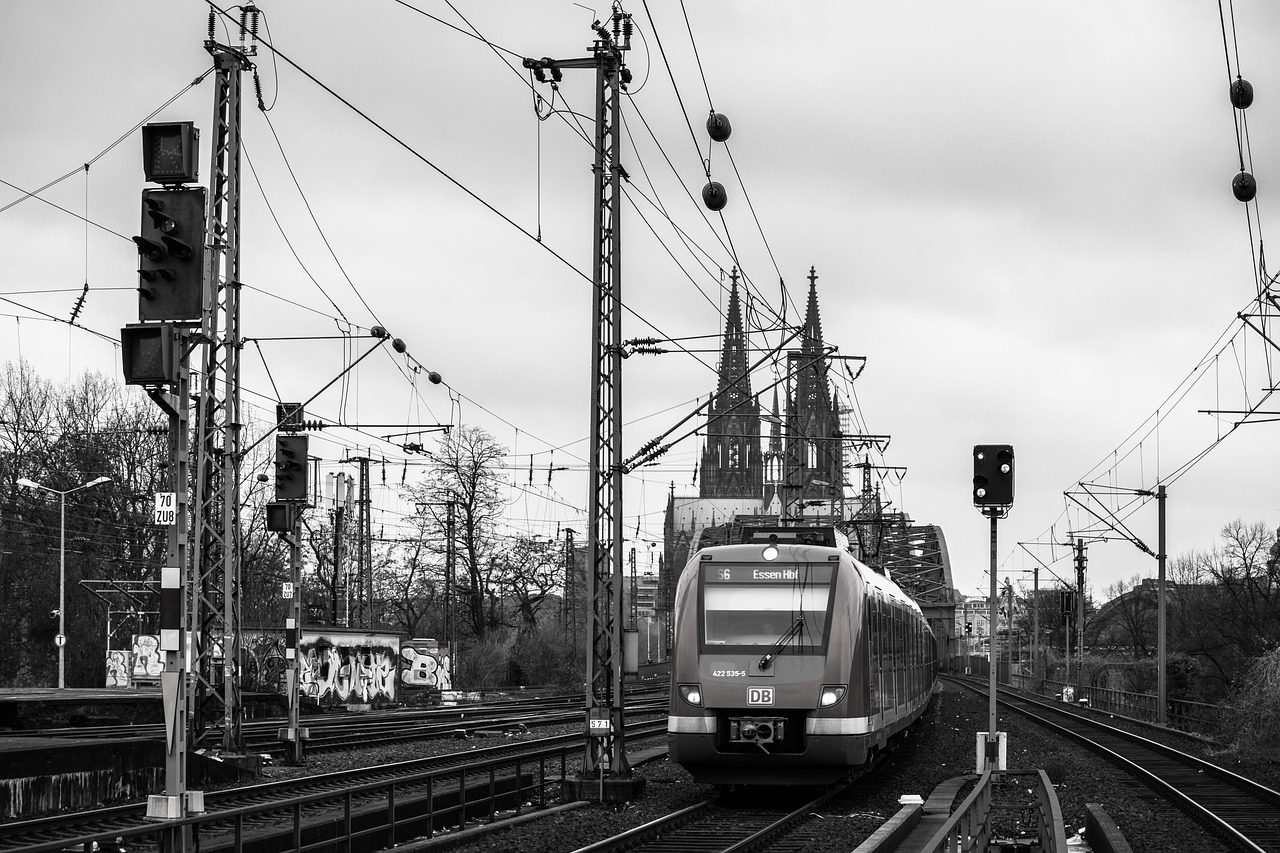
(792, 662)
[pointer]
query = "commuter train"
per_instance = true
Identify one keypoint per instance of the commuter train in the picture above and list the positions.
(792, 662)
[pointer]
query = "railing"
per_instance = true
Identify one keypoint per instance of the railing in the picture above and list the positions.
(1183, 714)
(349, 811)
(970, 830)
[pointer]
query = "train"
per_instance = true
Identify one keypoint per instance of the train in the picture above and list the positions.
(792, 662)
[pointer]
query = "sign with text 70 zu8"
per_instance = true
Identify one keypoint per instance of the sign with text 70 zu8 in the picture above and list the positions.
(166, 509)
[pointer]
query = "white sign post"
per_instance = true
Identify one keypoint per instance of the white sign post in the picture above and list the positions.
(166, 513)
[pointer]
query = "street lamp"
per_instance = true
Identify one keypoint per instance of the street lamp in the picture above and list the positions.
(61, 640)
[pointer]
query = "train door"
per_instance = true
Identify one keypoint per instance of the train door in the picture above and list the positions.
(875, 666)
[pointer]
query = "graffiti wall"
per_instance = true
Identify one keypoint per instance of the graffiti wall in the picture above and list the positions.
(425, 665)
(342, 667)
(118, 668)
(148, 662)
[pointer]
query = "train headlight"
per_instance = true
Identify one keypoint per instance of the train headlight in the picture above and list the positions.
(831, 694)
(691, 693)
(770, 552)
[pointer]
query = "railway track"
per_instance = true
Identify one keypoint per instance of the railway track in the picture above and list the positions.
(330, 733)
(742, 820)
(326, 798)
(1231, 806)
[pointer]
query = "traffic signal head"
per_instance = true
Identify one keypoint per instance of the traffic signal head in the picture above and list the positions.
(291, 467)
(992, 475)
(171, 255)
(147, 354)
(281, 517)
(170, 152)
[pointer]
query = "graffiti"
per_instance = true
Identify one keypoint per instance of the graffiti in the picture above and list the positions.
(262, 661)
(148, 662)
(423, 663)
(336, 668)
(118, 668)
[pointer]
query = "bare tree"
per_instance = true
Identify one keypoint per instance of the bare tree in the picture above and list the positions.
(63, 437)
(1130, 618)
(408, 582)
(465, 471)
(531, 571)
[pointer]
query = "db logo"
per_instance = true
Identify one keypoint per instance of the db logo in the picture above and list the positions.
(759, 695)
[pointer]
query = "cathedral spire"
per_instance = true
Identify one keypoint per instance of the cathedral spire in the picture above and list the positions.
(732, 466)
(813, 446)
(733, 352)
(812, 320)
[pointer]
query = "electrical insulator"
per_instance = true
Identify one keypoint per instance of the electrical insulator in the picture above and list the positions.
(1241, 93)
(1244, 187)
(718, 127)
(714, 196)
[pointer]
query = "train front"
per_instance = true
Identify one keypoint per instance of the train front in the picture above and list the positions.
(765, 648)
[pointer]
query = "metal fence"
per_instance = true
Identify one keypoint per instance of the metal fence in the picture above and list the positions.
(970, 827)
(1181, 714)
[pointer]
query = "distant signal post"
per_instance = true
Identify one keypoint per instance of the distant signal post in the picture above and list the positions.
(993, 496)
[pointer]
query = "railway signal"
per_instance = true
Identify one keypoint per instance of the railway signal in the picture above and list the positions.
(992, 475)
(291, 467)
(171, 255)
(992, 495)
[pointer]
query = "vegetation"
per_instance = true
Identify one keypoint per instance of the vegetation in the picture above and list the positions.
(1253, 717)
(1222, 610)
(509, 622)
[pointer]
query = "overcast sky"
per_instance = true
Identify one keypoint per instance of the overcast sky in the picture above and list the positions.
(1019, 213)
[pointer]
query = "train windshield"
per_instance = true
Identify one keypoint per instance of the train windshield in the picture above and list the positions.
(754, 607)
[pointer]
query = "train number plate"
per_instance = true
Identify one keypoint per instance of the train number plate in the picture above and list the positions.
(759, 695)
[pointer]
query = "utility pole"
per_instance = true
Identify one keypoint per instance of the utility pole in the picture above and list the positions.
(1081, 559)
(570, 605)
(1162, 698)
(175, 627)
(340, 595)
(215, 598)
(294, 736)
(605, 770)
(365, 554)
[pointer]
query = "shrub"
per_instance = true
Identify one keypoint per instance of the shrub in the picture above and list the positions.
(1252, 718)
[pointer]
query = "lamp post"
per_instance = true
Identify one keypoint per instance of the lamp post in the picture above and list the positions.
(61, 640)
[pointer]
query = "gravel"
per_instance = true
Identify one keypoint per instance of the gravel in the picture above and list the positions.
(942, 747)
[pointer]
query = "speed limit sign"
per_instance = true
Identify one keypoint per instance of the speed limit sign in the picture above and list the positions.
(166, 508)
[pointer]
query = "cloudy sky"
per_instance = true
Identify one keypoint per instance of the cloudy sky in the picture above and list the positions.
(1019, 213)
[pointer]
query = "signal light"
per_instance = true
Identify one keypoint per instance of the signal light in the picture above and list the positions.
(170, 152)
(291, 467)
(171, 255)
(281, 516)
(147, 354)
(992, 475)
(289, 417)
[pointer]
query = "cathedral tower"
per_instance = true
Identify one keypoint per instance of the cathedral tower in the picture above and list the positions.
(732, 462)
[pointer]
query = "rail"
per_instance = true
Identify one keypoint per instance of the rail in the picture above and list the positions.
(971, 827)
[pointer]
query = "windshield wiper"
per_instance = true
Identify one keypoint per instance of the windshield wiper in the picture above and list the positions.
(782, 641)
